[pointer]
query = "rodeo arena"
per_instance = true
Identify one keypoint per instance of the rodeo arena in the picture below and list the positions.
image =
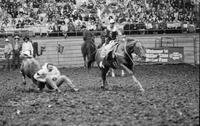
(99, 62)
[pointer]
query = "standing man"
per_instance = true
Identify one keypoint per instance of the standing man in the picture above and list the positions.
(8, 54)
(16, 52)
(27, 47)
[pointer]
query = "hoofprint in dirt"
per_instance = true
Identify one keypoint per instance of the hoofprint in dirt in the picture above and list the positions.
(171, 97)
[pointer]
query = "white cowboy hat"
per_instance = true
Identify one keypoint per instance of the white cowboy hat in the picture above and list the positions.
(44, 66)
(16, 37)
(7, 40)
(47, 66)
(112, 21)
(89, 28)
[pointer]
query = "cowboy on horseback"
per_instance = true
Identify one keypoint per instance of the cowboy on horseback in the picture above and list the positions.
(88, 48)
(111, 40)
(88, 35)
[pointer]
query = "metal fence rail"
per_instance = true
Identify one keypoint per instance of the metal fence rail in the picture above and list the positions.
(72, 57)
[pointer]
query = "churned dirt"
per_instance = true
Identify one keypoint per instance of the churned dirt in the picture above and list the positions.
(171, 97)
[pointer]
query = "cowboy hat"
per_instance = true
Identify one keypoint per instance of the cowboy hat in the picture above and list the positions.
(16, 37)
(112, 21)
(7, 40)
(26, 38)
(47, 66)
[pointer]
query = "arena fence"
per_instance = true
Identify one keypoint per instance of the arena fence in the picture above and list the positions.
(67, 52)
(70, 55)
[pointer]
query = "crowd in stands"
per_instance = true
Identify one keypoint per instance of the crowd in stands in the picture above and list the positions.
(46, 16)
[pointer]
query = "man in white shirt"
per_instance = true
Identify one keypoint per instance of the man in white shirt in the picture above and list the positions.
(27, 47)
(52, 77)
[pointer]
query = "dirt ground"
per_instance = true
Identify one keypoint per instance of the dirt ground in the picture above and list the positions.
(171, 97)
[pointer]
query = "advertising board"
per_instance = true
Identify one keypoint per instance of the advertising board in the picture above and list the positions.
(165, 55)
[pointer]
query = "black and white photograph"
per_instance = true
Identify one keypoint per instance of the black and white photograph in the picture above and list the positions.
(99, 62)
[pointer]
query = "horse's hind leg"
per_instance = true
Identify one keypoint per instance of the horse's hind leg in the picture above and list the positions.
(103, 75)
(134, 78)
(23, 78)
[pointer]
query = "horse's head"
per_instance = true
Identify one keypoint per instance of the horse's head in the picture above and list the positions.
(137, 48)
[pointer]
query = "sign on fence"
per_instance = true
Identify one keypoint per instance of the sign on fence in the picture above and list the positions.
(165, 55)
(2, 54)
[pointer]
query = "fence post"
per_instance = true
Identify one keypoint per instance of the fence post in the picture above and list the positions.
(195, 50)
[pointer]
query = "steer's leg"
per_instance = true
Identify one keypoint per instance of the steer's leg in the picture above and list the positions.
(134, 78)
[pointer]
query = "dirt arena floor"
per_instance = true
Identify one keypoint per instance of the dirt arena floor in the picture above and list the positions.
(171, 98)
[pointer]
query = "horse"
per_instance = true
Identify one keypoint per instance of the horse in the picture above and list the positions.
(88, 49)
(121, 58)
(29, 67)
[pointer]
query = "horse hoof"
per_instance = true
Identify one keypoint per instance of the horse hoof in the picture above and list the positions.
(102, 87)
(24, 83)
(142, 90)
(105, 88)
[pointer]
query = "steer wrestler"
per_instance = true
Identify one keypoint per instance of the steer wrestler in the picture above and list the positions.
(52, 77)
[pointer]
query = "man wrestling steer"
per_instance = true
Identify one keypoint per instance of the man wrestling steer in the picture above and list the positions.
(53, 78)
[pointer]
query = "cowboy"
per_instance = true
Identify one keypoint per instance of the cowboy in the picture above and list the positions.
(52, 77)
(111, 42)
(27, 47)
(8, 54)
(113, 31)
(16, 52)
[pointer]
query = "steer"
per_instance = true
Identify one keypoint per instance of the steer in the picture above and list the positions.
(28, 68)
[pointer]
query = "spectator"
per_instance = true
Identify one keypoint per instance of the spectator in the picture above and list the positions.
(8, 54)
(27, 47)
(16, 52)
(64, 29)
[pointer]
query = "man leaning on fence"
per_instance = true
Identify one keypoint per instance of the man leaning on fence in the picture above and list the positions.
(8, 54)
(16, 52)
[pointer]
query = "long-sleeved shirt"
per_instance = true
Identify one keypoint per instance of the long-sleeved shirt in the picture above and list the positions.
(8, 48)
(44, 73)
(27, 47)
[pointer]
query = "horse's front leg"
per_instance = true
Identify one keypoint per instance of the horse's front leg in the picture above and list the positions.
(122, 73)
(103, 75)
(112, 72)
(23, 78)
(85, 64)
(134, 78)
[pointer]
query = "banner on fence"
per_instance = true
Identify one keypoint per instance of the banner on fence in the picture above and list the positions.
(165, 55)
(2, 54)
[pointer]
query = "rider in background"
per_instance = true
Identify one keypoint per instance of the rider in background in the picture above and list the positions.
(88, 35)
